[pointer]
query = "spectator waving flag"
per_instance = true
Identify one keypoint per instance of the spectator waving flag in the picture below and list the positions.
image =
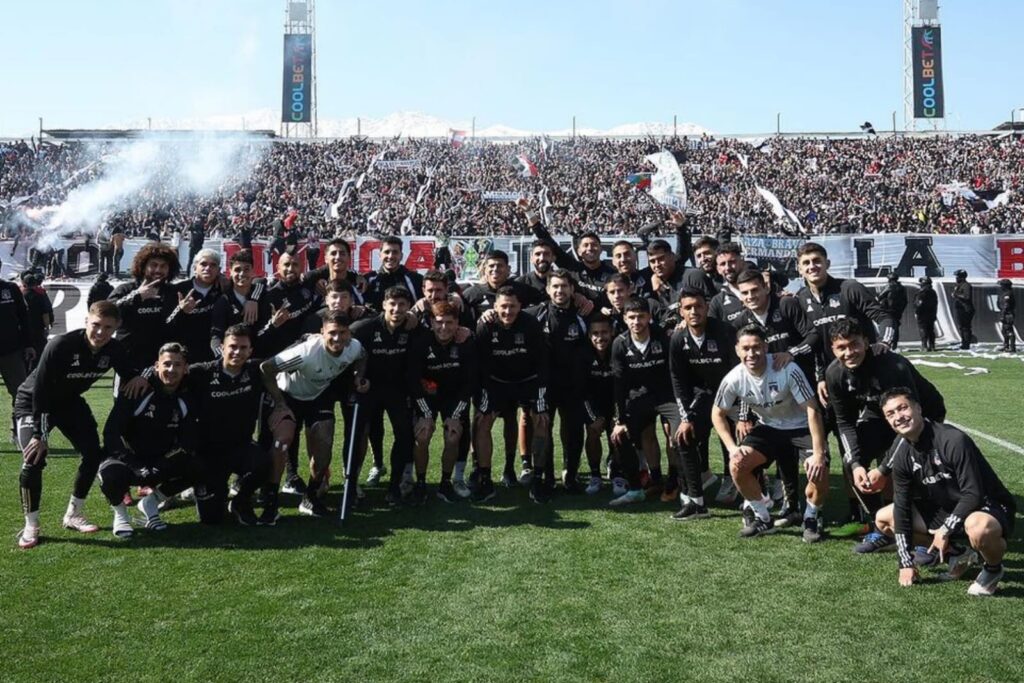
(529, 170)
(641, 180)
(787, 218)
(667, 185)
(457, 137)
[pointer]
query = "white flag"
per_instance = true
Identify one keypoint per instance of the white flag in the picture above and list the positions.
(782, 213)
(667, 185)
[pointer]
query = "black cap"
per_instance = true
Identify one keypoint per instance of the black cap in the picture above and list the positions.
(1005, 284)
(961, 273)
(927, 281)
(893, 277)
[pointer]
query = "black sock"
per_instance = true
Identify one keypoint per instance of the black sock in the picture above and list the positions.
(994, 568)
(655, 475)
(421, 477)
(485, 472)
(446, 476)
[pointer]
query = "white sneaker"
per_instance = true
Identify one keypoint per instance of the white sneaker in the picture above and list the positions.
(122, 522)
(28, 537)
(406, 485)
(628, 498)
(76, 521)
(461, 490)
(594, 486)
(150, 509)
(726, 492)
(619, 486)
(373, 478)
(986, 584)
(187, 496)
(525, 477)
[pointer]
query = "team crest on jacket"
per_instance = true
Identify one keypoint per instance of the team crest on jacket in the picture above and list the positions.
(656, 347)
(520, 338)
(454, 353)
(712, 346)
(403, 338)
(833, 302)
(103, 362)
(773, 389)
(573, 332)
(777, 317)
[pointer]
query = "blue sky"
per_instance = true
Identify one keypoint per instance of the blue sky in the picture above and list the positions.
(729, 65)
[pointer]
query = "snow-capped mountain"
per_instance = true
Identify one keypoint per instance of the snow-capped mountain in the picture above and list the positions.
(407, 124)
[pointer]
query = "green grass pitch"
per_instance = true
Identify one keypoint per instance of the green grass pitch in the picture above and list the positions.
(572, 591)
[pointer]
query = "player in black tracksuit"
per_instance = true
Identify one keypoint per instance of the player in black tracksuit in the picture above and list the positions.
(598, 397)
(391, 274)
(151, 441)
(496, 274)
(590, 270)
(700, 356)
(566, 332)
(1007, 307)
(825, 300)
(855, 380)
(190, 323)
(228, 396)
(943, 488)
(514, 362)
(286, 293)
(147, 302)
(643, 393)
(52, 396)
(386, 342)
(442, 381)
(926, 308)
(894, 300)
(726, 304)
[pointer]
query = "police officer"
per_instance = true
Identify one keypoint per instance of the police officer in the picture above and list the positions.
(894, 300)
(1007, 308)
(926, 306)
(963, 307)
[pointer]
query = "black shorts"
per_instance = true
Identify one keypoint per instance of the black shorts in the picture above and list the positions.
(934, 516)
(441, 405)
(308, 413)
(499, 397)
(598, 407)
(780, 444)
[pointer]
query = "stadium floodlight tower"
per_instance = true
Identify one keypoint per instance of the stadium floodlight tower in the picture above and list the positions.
(298, 88)
(918, 15)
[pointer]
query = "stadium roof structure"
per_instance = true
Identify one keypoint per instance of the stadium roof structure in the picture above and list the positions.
(131, 134)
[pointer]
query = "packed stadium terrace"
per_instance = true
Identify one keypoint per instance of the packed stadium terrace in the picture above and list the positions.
(868, 184)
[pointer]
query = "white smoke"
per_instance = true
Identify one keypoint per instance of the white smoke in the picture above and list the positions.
(133, 174)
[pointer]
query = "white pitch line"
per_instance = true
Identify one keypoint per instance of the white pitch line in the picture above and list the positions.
(988, 437)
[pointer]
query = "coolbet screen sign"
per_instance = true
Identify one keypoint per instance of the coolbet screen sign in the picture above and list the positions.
(927, 51)
(298, 75)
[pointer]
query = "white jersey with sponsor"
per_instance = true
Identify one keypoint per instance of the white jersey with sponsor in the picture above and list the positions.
(307, 368)
(775, 396)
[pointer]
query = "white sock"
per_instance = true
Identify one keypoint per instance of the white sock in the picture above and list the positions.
(810, 511)
(760, 509)
(460, 471)
(121, 518)
(684, 498)
(767, 501)
(699, 500)
(76, 503)
(32, 519)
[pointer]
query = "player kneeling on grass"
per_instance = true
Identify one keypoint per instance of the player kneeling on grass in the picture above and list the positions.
(150, 441)
(789, 427)
(52, 396)
(943, 488)
(228, 395)
(297, 380)
(442, 378)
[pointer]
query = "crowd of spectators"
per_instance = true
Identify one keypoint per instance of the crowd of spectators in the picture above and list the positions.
(934, 184)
